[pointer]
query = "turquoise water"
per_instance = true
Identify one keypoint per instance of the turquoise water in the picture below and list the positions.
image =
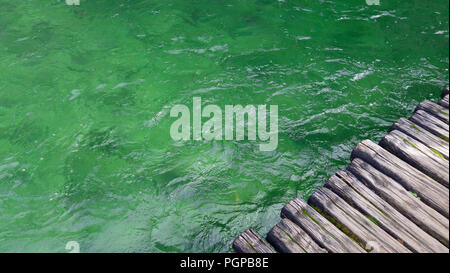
(86, 91)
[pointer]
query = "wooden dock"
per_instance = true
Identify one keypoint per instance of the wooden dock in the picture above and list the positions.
(393, 197)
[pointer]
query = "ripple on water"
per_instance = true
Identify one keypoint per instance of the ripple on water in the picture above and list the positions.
(85, 95)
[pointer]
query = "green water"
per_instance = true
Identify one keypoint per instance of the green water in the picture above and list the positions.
(85, 95)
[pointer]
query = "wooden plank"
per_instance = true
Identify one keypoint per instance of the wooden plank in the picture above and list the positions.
(428, 190)
(388, 209)
(359, 226)
(425, 217)
(250, 242)
(433, 119)
(431, 123)
(444, 92)
(287, 237)
(418, 155)
(399, 228)
(444, 102)
(282, 242)
(434, 109)
(420, 134)
(324, 233)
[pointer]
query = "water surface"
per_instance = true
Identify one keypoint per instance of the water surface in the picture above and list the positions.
(85, 95)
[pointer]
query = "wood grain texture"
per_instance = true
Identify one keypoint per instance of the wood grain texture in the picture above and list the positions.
(287, 237)
(367, 233)
(434, 109)
(431, 193)
(372, 206)
(417, 155)
(428, 139)
(431, 124)
(323, 232)
(250, 242)
(418, 212)
(444, 102)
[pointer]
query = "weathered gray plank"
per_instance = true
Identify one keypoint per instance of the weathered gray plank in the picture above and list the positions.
(287, 237)
(357, 224)
(444, 92)
(418, 155)
(431, 193)
(420, 134)
(388, 209)
(431, 123)
(433, 119)
(425, 217)
(250, 242)
(324, 233)
(399, 228)
(444, 102)
(434, 109)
